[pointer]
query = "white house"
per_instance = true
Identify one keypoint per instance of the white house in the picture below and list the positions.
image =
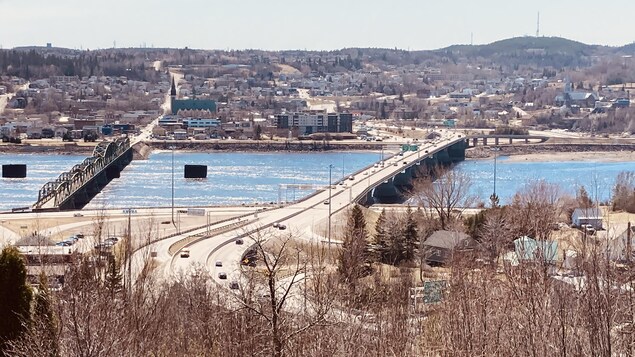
(592, 216)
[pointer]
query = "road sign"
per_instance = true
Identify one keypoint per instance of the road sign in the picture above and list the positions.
(433, 291)
(195, 211)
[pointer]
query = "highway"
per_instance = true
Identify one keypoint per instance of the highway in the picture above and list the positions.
(301, 219)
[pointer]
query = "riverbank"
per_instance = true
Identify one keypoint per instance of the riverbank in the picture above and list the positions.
(547, 153)
(57, 148)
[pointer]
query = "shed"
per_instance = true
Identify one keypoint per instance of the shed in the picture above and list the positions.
(441, 245)
(592, 216)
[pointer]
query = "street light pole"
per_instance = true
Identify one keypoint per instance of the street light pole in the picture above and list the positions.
(330, 187)
(495, 156)
(493, 197)
(172, 147)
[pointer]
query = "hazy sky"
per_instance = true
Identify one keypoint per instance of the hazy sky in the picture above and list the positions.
(302, 24)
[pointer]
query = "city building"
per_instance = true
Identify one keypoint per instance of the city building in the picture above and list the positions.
(201, 123)
(315, 122)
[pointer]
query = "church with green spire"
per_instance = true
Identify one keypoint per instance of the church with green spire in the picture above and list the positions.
(177, 105)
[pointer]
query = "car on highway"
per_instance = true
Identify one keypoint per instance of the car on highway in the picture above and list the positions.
(114, 240)
(351, 178)
(282, 227)
(185, 253)
(405, 162)
(104, 245)
(234, 285)
(395, 164)
(326, 202)
(239, 241)
(222, 275)
(219, 263)
(78, 215)
(63, 244)
(80, 235)
(341, 183)
(275, 224)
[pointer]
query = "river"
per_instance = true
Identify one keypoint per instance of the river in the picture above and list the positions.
(236, 178)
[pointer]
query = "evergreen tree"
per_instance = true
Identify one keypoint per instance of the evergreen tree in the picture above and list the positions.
(15, 296)
(380, 239)
(409, 235)
(113, 278)
(44, 318)
(396, 245)
(354, 261)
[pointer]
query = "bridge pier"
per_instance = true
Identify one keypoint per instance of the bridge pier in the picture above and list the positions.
(457, 151)
(496, 141)
(510, 141)
(403, 180)
(387, 192)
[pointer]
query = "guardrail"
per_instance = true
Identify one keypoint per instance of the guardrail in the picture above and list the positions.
(184, 242)
(148, 243)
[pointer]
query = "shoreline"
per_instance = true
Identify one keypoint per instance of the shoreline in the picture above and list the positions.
(515, 154)
(587, 156)
(512, 154)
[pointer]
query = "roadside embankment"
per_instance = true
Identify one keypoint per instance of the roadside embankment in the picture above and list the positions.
(141, 151)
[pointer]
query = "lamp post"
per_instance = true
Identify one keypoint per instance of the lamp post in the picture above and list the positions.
(330, 187)
(172, 148)
(494, 198)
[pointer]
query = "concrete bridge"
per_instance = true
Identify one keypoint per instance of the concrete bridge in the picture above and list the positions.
(75, 188)
(393, 187)
(491, 139)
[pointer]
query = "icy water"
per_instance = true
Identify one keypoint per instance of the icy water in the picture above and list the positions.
(236, 178)
(232, 178)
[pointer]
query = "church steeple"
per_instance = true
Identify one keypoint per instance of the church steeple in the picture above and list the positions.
(173, 89)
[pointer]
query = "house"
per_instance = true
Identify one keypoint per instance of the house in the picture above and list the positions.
(529, 249)
(592, 216)
(618, 241)
(441, 246)
(581, 99)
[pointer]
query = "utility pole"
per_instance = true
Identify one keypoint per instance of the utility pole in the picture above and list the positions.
(129, 252)
(172, 147)
(330, 198)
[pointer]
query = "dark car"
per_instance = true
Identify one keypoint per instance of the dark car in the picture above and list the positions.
(282, 227)
(239, 241)
(222, 276)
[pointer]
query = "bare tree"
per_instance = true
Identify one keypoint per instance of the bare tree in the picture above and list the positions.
(274, 289)
(447, 196)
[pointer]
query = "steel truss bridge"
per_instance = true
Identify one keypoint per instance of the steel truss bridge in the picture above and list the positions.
(73, 189)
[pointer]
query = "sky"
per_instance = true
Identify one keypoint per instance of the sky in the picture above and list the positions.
(307, 24)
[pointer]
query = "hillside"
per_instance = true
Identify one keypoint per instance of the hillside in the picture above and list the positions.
(538, 51)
